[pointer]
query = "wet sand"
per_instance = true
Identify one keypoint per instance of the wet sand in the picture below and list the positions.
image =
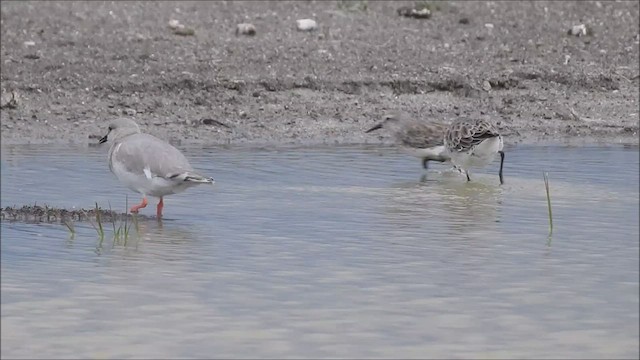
(74, 65)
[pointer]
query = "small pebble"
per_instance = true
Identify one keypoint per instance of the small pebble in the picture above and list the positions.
(29, 43)
(174, 24)
(129, 112)
(407, 11)
(306, 24)
(184, 31)
(180, 29)
(9, 100)
(245, 29)
(578, 30)
(486, 85)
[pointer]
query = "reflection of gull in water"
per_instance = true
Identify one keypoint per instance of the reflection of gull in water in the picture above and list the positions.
(153, 234)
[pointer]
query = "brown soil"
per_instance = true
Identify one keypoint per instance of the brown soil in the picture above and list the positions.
(513, 62)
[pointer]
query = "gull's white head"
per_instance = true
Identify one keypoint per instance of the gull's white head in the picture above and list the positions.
(119, 129)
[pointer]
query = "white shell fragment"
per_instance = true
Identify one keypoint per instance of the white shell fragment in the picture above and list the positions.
(306, 24)
(175, 24)
(245, 29)
(578, 30)
(180, 29)
(408, 11)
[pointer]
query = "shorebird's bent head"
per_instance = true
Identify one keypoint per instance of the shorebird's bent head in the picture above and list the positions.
(388, 120)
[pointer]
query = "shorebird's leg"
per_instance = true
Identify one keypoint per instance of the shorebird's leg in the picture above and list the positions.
(467, 172)
(143, 204)
(501, 163)
(425, 163)
(159, 208)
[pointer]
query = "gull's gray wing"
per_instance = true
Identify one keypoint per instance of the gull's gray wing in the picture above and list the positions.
(140, 153)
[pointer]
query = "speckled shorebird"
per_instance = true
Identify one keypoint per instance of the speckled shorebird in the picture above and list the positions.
(473, 143)
(421, 139)
(148, 165)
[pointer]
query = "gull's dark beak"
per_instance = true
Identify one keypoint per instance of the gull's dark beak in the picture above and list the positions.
(103, 139)
(379, 126)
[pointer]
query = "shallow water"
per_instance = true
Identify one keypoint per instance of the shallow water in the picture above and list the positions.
(329, 252)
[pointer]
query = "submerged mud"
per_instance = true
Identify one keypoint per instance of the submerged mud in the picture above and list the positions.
(44, 213)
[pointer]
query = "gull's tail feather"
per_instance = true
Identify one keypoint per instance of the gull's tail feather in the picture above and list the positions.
(193, 177)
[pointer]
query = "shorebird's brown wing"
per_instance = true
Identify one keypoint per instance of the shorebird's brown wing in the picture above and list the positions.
(465, 134)
(422, 135)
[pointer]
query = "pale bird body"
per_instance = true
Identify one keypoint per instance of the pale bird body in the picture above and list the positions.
(473, 143)
(148, 165)
(424, 140)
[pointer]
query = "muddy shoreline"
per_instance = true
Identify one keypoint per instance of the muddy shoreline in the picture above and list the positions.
(72, 66)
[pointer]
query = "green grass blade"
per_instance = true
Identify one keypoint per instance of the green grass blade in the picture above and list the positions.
(95, 226)
(69, 224)
(113, 220)
(545, 176)
(99, 220)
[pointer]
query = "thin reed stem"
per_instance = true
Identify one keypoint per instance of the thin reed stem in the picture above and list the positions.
(545, 176)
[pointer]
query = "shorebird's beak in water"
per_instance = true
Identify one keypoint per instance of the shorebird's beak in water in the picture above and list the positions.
(379, 126)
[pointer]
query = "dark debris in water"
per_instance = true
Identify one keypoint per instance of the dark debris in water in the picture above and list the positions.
(37, 213)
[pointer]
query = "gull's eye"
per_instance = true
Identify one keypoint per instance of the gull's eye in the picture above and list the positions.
(110, 128)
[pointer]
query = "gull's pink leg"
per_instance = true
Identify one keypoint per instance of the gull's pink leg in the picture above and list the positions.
(143, 204)
(159, 208)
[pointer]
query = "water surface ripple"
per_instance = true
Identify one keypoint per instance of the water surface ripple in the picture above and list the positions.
(328, 252)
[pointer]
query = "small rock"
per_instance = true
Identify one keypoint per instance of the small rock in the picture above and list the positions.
(174, 24)
(180, 29)
(416, 13)
(184, 31)
(488, 25)
(32, 56)
(9, 101)
(306, 24)
(578, 30)
(213, 122)
(129, 112)
(464, 21)
(486, 85)
(245, 29)
(29, 43)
